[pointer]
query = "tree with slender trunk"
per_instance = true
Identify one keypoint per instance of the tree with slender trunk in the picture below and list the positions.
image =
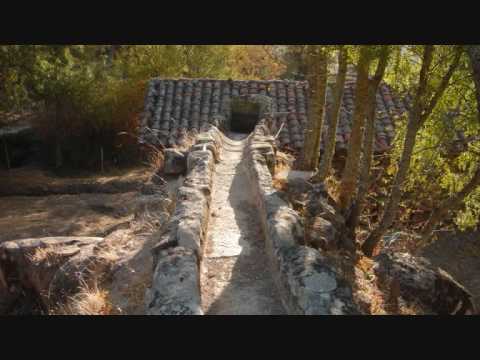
(368, 141)
(317, 80)
(422, 109)
(333, 115)
(348, 184)
(474, 56)
(455, 201)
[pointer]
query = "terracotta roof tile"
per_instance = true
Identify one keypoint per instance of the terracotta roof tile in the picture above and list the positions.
(174, 107)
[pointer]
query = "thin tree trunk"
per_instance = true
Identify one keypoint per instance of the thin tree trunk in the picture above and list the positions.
(333, 116)
(111, 51)
(368, 143)
(58, 146)
(420, 113)
(398, 58)
(409, 143)
(317, 80)
(451, 204)
(396, 191)
(7, 157)
(349, 180)
(455, 201)
(474, 55)
(102, 169)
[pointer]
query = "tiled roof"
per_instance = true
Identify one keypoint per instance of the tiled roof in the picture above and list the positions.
(176, 107)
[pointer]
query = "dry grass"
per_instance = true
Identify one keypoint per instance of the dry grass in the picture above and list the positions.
(366, 287)
(284, 162)
(280, 184)
(359, 272)
(187, 142)
(108, 254)
(155, 160)
(155, 157)
(333, 187)
(40, 255)
(376, 299)
(90, 300)
(283, 165)
(44, 255)
(146, 225)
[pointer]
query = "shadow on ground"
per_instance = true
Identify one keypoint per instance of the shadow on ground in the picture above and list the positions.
(243, 284)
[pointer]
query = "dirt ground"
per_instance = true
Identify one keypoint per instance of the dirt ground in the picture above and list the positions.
(75, 205)
(32, 180)
(62, 215)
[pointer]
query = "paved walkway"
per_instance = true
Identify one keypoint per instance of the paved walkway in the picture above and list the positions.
(235, 278)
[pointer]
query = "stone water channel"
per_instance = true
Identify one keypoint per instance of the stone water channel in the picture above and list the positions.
(235, 276)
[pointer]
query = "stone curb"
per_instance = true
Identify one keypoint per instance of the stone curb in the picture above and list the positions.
(307, 285)
(176, 278)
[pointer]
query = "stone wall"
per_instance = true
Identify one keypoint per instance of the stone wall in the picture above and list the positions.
(307, 285)
(175, 287)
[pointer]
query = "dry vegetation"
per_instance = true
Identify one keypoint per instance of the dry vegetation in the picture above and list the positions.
(90, 300)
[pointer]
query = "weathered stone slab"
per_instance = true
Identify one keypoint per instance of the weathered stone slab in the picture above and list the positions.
(417, 280)
(314, 287)
(308, 285)
(176, 284)
(176, 288)
(322, 234)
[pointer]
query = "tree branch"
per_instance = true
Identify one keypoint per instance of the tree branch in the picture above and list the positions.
(443, 86)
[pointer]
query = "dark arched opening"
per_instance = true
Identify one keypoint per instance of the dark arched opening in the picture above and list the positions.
(245, 115)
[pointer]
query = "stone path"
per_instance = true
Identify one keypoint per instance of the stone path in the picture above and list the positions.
(235, 277)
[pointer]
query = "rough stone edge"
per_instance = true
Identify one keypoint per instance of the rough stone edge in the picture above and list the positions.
(176, 283)
(307, 285)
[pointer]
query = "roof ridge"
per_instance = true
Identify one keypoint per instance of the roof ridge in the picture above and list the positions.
(158, 78)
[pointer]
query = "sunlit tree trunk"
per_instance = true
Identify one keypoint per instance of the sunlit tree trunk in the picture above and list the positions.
(368, 142)
(333, 115)
(421, 111)
(348, 184)
(317, 80)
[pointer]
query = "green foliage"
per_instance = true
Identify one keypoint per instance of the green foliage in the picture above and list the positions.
(16, 64)
(440, 168)
(191, 61)
(257, 62)
(88, 94)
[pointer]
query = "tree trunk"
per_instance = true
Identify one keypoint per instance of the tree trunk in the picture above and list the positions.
(455, 201)
(368, 142)
(7, 156)
(451, 204)
(396, 191)
(417, 118)
(317, 80)
(474, 55)
(58, 140)
(349, 180)
(409, 143)
(111, 52)
(333, 116)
